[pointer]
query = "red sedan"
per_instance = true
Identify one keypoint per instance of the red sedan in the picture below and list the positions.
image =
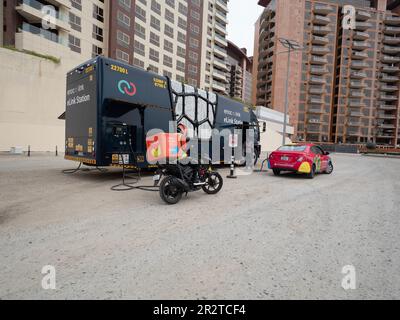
(309, 159)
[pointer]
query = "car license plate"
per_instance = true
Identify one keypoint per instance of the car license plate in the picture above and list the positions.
(285, 158)
(157, 177)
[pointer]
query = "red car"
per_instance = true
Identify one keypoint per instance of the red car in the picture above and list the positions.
(301, 158)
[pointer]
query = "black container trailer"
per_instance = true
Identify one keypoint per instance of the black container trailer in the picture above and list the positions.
(112, 106)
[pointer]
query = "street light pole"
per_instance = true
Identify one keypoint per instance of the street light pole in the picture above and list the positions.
(286, 97)
(291, 45)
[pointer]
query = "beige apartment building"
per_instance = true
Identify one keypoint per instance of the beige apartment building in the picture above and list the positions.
(182, 39)
(344, 83)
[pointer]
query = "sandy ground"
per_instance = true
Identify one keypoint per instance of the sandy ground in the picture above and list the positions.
(262, 237)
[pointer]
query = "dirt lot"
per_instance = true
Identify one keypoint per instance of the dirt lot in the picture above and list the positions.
(262, 237)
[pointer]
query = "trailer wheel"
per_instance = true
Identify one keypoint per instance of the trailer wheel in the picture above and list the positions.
(170, 191)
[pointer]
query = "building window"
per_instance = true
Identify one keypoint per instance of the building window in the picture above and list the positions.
(168, 46)
(169, 31)
(125, 3)
(74, 43)
(98, 13)
(123, 39)
(180, 66)
(77, 4)
(138, 63)
(182, 23)
(140, 31)
(123, 19)
(97, 33)
(154, 55)
(181, 37)
(140, 13)
(181, 52)
(96, 51)
(122, 56)
(155, 23)
(156, 7)
(167, 61)
(154, 39)
(75, 22)
(139, 48)
(169, 16)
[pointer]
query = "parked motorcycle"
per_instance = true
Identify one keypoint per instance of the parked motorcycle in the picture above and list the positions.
(180, 179)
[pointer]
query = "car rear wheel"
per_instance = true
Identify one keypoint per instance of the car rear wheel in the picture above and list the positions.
(277, 172)
(311, 175)
(329, 170)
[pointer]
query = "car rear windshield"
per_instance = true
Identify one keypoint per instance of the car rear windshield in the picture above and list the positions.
(293, 148)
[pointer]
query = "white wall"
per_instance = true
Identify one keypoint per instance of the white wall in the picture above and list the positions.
(32, 96)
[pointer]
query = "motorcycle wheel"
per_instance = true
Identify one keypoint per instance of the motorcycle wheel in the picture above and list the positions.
(214, 183)
(169, 191)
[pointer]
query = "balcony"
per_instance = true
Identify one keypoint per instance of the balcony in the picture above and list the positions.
(359, 65)
(391, 49)
(356, 104)
(353, 133)
(220, 52)
(360, 55)
(316, 101)
(355, 114)
(221, 40)
(318, 30)
(315, 110)
(221, 76)
(388, 88)
(32, 38)
(319, 50)
(318, 60)
(387, 126)
(318, 70)
(316, 90)
(31, 10)
(387, 78)
(320, 40)
(322, 9)
(218, 86)
(317, 80)
(221, 4)
(221, 63)
(220, 27)
(359, 35)
(357, 84)
(221, 16)
(356, 94)
(390, 59)
(390, 69)
(321, 20)
(363, 15)
(391, 40)
(392, 30)
(387, 97)
(392, 20)
(361, 45)
(362, 26)
(358, 75)
(387, 107)
(386, 116)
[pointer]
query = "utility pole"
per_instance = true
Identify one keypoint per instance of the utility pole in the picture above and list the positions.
(291, 45)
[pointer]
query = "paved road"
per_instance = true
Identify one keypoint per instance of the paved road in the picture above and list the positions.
(262, 237)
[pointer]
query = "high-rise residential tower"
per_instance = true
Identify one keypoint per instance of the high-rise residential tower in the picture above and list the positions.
(344, 83)
(182, 39)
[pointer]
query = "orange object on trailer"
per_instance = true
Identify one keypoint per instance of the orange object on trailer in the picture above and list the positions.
(167, 146)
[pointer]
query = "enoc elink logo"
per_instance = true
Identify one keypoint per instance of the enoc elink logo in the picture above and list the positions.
(127, 88)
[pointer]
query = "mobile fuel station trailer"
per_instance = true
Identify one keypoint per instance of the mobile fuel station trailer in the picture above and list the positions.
(112, 106)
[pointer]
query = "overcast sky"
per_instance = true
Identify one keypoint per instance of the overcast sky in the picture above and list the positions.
(241, 17)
